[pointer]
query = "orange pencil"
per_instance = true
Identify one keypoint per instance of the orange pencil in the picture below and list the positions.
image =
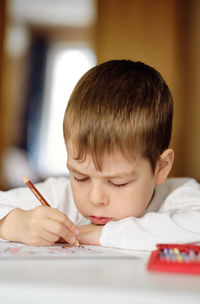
(40, 197)
(35, 191)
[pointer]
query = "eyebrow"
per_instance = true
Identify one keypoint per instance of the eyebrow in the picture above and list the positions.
(70, 168)
(117, 175)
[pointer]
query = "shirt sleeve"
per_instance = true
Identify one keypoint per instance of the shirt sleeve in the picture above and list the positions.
(54, 190)
(57, 192)
(177, 221)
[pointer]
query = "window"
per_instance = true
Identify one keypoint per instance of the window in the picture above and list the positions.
(65, 65)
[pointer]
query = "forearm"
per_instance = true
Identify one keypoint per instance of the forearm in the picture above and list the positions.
(14, 199)
(145, 232)
(90, 234)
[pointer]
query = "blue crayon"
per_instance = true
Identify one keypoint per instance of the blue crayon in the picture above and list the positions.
(192, 255)
(185, 257)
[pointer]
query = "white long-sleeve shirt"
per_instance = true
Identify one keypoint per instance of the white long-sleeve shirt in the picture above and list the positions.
(173, 215)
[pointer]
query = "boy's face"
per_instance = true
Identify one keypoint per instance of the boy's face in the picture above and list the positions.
(122, 189)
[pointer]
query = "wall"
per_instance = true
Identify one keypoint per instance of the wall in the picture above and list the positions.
(156, 32)
(192, 119)
(2, 39)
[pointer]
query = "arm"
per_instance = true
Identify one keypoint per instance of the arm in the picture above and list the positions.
(23, 219)
(90, 234)
(144, 233)
(41, 226)
(153, 228)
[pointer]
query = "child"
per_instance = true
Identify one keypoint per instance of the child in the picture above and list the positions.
(117, 129)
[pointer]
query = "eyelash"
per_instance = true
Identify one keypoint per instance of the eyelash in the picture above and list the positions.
(80, 179)
(118, 185)
(86, 178)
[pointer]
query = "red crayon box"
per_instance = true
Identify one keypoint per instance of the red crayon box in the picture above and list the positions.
(177, 258)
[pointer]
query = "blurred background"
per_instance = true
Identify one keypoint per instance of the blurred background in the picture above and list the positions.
(47, 45)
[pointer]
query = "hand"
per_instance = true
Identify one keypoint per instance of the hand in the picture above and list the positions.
(89, 234)
(42, 226)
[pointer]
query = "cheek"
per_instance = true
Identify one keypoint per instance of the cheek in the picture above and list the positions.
(75, 192)
(123, 203)
(133, 202)
(78, 196)
(148, 193)
(143, 198)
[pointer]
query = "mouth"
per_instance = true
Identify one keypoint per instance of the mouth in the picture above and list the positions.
(98, 220)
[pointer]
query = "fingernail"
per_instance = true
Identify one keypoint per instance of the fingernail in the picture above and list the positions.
(76, 231)
(72, 239)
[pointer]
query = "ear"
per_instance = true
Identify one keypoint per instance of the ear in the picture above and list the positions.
(163, 166)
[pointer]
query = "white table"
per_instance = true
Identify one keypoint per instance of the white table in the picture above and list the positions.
(98, 281)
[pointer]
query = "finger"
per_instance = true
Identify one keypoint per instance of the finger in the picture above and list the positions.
(41, 241)
(49, 236)
(59, 230)
(64, 220)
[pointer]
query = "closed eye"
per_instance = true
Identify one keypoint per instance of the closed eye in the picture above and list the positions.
(81, 179)
(118, 185)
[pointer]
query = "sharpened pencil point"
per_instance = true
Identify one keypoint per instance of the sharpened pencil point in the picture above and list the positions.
(77, 243)
(25, 179)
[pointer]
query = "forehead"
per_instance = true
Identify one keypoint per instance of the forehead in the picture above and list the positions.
(112, 164)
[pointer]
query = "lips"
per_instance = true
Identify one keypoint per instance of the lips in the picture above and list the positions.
(97, 220)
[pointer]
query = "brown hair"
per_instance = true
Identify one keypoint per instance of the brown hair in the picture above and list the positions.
(119, 104)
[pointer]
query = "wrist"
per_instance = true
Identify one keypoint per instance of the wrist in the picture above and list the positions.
(10, 225)
(90, 234)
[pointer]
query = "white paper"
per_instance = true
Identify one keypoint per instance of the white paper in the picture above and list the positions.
(18, 250)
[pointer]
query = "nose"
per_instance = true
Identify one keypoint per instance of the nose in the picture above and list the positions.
(97, 195)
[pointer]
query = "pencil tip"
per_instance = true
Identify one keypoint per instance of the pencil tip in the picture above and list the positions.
(77, 243)
(25, 179)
